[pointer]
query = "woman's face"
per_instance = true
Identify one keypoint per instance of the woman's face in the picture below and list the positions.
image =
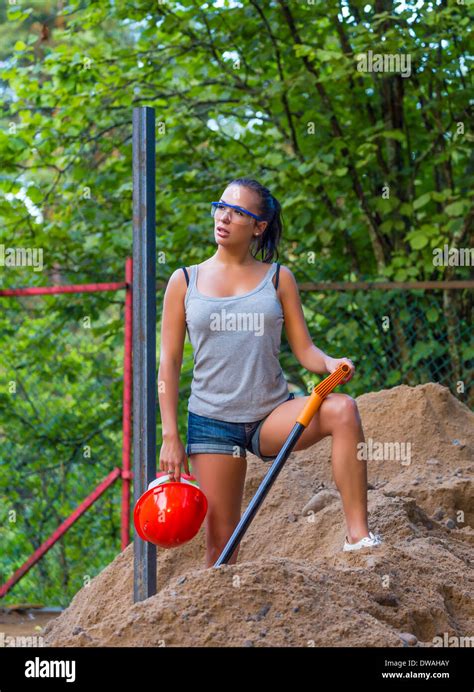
(236, 228)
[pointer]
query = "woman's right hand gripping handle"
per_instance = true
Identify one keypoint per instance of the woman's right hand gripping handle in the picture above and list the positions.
(172, 455)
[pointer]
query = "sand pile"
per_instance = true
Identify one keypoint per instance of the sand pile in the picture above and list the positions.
(292, 585)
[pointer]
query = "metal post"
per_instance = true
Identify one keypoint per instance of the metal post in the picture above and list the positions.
(144, 336)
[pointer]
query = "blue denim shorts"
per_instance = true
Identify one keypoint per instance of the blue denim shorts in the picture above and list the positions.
(211, 436)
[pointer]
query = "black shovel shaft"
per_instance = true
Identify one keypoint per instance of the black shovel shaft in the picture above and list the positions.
(260, 495)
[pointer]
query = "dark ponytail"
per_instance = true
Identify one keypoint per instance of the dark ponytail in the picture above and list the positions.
(270, 209)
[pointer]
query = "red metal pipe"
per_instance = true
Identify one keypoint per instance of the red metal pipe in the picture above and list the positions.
(125, 472)
(72, 288)
(127, 405)
(56, 535)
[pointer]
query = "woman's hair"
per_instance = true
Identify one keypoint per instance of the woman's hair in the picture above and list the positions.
(270, 209)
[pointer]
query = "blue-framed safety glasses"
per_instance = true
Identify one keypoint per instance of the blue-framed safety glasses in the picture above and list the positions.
(238, 215)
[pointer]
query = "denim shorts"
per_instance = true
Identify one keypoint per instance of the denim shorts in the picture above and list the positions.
(211, 436)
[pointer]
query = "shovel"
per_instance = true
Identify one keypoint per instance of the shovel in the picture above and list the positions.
(318, 394)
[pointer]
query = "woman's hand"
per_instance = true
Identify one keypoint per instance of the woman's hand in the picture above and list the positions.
(172, 455)
(333, 363)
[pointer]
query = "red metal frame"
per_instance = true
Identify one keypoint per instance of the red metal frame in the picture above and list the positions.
(71, 288)
(125, 472)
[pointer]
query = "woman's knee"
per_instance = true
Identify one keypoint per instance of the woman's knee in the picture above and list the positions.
(340, 409)
(348, 407)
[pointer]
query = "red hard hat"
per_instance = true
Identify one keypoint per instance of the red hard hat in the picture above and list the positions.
(170, 513)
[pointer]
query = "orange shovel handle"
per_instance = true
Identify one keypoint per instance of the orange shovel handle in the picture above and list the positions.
(320, 392)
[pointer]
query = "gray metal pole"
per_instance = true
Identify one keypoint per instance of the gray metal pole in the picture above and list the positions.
(144, 336)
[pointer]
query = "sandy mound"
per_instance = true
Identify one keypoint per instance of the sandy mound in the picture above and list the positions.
(292, 585)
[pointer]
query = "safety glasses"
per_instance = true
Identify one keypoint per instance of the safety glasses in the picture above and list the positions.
(238, 215)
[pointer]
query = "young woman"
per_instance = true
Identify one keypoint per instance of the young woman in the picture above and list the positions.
(233, 307)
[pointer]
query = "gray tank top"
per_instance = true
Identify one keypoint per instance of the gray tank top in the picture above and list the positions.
(237, 375)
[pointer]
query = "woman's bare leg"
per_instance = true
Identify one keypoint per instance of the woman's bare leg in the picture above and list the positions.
(338, 416)
(221, 477)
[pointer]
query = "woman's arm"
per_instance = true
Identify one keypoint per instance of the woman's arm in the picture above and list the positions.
(306, 353)
(173, 332)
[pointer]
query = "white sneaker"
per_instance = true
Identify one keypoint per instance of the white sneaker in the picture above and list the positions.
(369, 541)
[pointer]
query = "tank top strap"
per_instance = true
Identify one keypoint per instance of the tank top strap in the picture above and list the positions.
(189, 273)
(277, 275)
(192, 277)
(268, 280)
